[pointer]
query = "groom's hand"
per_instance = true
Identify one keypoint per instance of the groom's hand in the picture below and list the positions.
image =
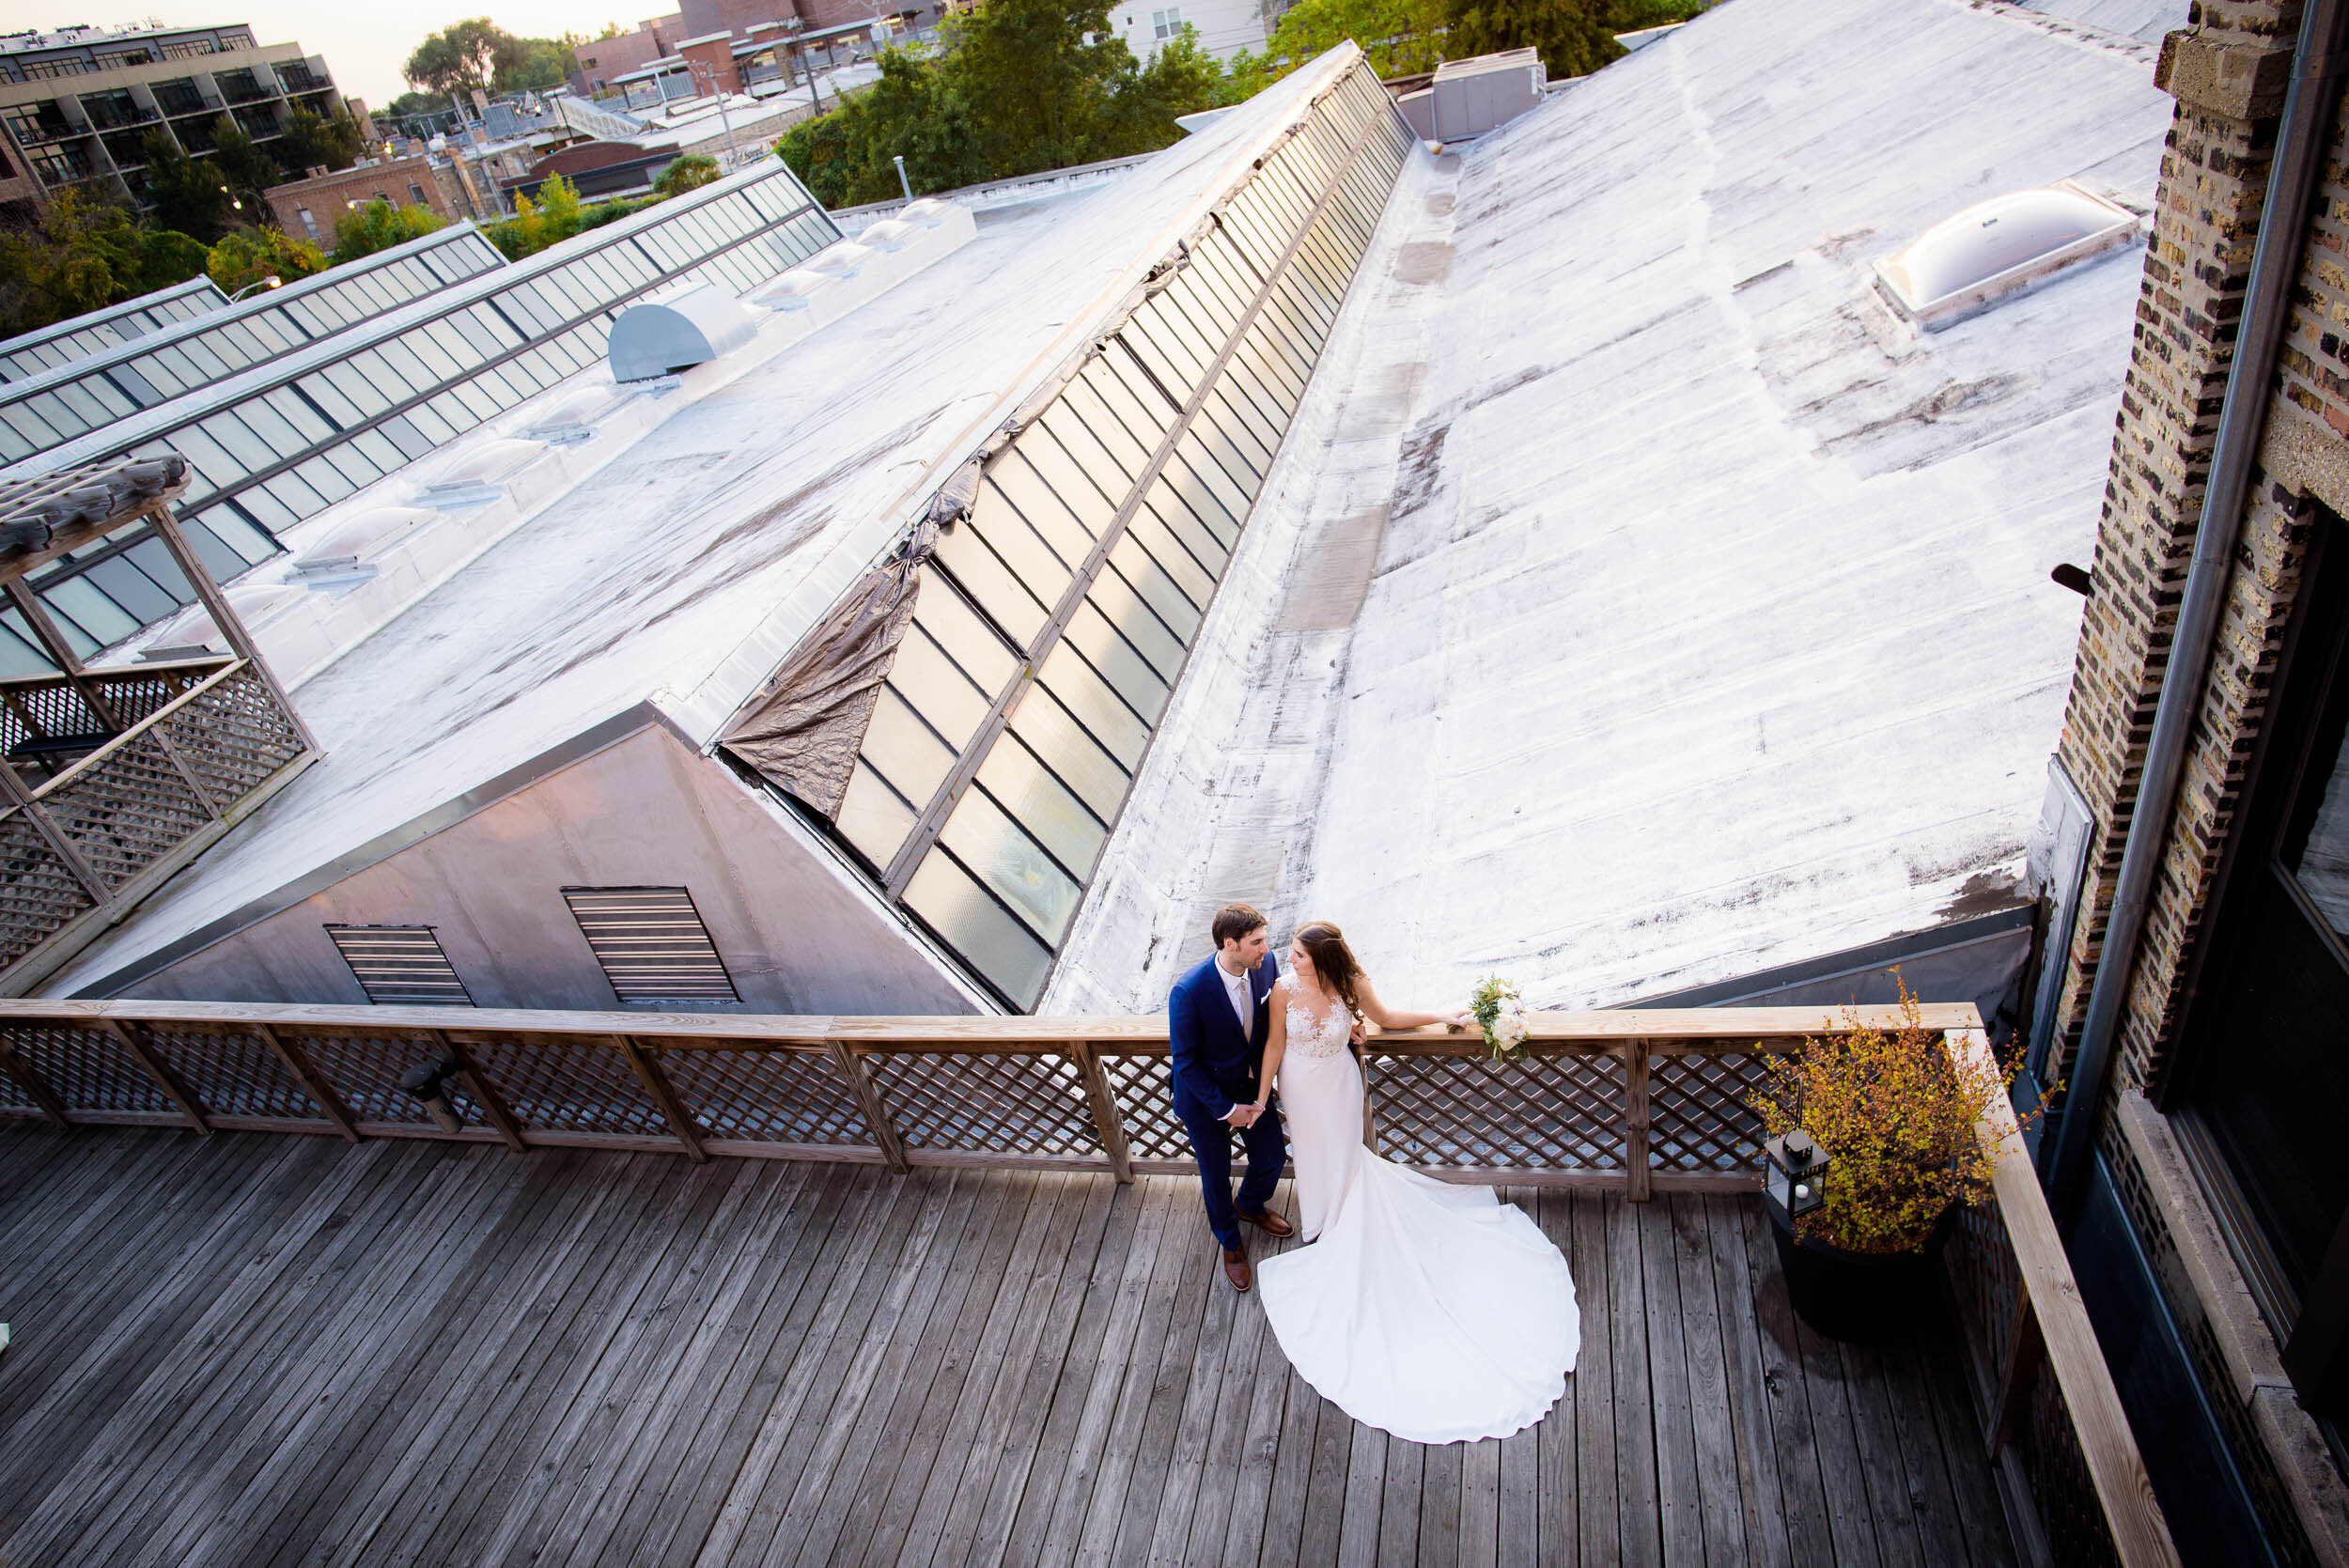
(1242, 1116)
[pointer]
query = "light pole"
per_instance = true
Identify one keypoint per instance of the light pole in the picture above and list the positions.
(273, 280)
(710, 79)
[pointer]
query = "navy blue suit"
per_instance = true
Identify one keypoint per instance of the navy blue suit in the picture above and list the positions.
(1216, 1065)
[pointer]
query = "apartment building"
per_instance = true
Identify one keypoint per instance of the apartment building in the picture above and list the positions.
(77, 105)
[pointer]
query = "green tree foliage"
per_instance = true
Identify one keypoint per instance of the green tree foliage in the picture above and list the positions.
(244, 257)
(186, 191)
(311, 140)
(552, 218)
(82, 253)
(464, 56)
(689, 173)
(1574, 37)
(1017, 86)
(546, 63)
(413, 103)
(1401, 36)
(378, 226)
(244, 170)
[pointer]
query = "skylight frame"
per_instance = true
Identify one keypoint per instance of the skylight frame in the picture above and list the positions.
(1963, 304)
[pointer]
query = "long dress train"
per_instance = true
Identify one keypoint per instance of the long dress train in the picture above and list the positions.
(1428, 1309)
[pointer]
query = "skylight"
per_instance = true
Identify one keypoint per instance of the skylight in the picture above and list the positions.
(1966, 263)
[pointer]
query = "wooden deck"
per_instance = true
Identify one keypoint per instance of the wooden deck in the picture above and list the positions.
(253, 1349)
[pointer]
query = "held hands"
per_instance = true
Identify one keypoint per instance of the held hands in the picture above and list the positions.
(1245, 1115)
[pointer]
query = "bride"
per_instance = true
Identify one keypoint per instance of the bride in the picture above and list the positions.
(1431, 1310)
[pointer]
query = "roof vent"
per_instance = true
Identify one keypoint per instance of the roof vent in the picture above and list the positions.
(661, 338)
(1964, 264)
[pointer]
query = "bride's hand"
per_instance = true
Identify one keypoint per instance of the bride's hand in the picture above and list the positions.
(1456, 1022)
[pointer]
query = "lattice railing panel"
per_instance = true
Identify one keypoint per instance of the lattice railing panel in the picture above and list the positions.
(230, 1072)
(1988, 1284)
(1698, 1115)
(569, 1087)
(769, 1096)
(1541, 1110)
(127, 809)
(364, 1070)
(1143, 1088)
(1026, 1105)
(56, 708)
(2061, 1482)
(234, 735)
(39, 895)
(86, 1068)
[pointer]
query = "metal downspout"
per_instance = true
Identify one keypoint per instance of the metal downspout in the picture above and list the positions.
(2316, 65)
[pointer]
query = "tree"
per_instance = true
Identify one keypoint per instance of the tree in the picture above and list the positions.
(1574, 37)
(186, 191)
(244, 170)
(689, 173)
(81, 253)
(378, 226)
(244, 257)
(1035, 78)
(412, 105)
(1400, 37)
(311, 141)
(463, 57)
(545, 64)
(554, 218)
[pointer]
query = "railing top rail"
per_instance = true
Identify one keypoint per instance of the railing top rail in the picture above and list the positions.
(1661, 1027)
(98, 758)
(119, 672)
(2140, 1534)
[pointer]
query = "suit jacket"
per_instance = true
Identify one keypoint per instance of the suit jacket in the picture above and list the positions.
(1216, 1062)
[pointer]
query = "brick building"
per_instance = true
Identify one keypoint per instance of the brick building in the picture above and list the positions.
(605, 60)
(307, 208)
(2197, 1011)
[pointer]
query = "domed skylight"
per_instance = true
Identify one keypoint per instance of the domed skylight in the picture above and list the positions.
(1966, 263)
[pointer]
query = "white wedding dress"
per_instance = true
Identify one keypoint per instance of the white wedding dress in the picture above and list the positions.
(1431, 1310)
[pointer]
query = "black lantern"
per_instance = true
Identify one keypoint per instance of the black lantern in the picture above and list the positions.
(1795, 1174)
(427, 1083)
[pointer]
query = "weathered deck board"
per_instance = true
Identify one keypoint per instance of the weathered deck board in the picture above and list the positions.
(250, 1349)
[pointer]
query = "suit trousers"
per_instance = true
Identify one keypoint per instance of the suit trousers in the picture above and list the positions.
(1211, 1146)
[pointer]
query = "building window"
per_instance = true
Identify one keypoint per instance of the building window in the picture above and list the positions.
(1166, 23)
(417, 192)
(309, 224)
(41, 70)
(401, 966)
(651, 944)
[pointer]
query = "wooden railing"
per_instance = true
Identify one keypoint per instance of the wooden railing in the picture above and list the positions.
(79, 852)
(47, 721)
(1635, 1102)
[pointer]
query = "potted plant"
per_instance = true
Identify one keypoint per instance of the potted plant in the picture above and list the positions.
(1861, 1222)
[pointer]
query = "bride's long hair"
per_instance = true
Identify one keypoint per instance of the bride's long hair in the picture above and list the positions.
(1334, 968)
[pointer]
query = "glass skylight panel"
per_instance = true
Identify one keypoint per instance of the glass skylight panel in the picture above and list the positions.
(1064, 605)
(63, 342)
(45, 410)
(269, 450)
(1964, 264)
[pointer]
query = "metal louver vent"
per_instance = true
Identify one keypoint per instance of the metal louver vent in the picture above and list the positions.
(400, 965)
(651, 943)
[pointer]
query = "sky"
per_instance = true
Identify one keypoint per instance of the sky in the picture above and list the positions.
(366, 44)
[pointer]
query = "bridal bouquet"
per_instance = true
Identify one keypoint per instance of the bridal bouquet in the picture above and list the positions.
(1500, 1013)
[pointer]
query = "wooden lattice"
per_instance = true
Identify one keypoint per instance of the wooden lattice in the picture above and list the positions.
(233, 736)
(1143, 1088)
(86, 1068)
(126, 810)
(232, 1072)
(568, 1086)
(2062, 1483)
(1539, 1109)
(1026, 1105)
(363, 1068)
(769, 1096)
(1699, 1118)
(38, 893)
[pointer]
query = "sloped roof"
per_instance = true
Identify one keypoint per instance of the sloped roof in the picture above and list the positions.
(1638, 602)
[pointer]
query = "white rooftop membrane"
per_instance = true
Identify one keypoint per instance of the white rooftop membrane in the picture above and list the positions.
(1638, 602)
(698, 555)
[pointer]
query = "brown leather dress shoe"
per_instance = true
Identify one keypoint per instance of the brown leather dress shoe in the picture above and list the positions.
(1236, 1268)
(1270, 1223)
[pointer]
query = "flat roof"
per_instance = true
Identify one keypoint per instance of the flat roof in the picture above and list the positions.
(1638, 603)
(698, 556)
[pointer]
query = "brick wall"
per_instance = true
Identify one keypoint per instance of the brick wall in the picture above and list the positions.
(327, 197)
(2229, 73)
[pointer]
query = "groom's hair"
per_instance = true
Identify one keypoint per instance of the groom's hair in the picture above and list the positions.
(1233, 921)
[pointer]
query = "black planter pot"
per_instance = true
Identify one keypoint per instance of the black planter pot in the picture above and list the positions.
(1867, 1298)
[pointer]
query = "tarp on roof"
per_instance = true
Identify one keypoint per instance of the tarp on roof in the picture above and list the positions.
(801, 732)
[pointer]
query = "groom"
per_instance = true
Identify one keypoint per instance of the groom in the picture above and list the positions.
(1217, 1023)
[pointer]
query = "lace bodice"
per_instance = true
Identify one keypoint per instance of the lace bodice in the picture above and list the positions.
(1326, 1037)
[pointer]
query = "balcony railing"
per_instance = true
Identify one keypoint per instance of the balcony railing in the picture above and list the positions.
(1632, 1102)
(245, 91)
(79, 852)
